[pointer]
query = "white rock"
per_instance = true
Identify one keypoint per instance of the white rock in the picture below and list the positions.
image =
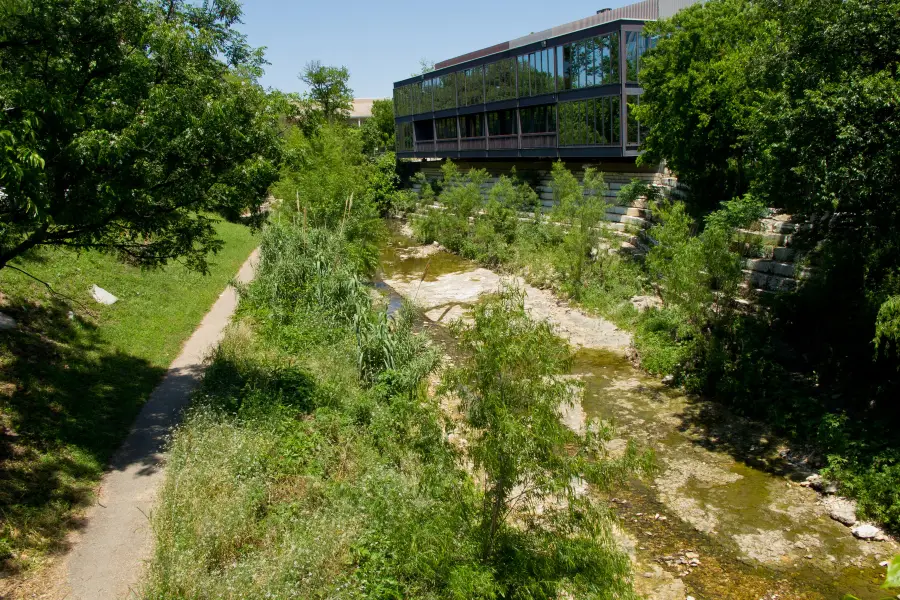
(867, 531)
(841, 510)
(668, 379)
(7, 322)
(102, 296)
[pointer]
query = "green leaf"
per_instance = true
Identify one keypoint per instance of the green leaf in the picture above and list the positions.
(893, 574)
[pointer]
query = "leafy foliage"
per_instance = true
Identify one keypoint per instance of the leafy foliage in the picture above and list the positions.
(127, 126)
(512, 390)
(795, 102)
(314, 464)
(327, 182)
(378, 132)
(579, 209)
(329, 91)
(698, 95)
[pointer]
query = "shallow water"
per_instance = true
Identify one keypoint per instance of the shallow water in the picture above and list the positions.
(722, 493)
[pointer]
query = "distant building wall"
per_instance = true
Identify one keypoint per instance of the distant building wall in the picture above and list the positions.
(667, 8)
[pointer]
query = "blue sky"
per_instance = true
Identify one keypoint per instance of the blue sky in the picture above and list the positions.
(382, 42)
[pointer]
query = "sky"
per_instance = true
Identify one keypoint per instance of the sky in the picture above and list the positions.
(383, 42)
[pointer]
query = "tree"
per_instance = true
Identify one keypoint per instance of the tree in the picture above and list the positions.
(699, 96)
(329, 90)
(425, 66)
(512, 388)
(580, 208)
(378, 132)
(127, 126)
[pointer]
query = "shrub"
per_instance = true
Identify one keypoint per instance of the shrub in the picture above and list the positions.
(511, 388)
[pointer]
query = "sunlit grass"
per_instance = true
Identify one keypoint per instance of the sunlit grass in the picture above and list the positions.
(75, 373)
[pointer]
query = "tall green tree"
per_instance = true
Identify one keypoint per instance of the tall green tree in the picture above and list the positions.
(512, 387)
(378, 132)
(329, 90)
(126, 126)
(580, 207)
(829, 143)
(699, 96)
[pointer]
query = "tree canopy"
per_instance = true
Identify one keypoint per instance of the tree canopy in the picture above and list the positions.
(127, 126)
(378, 132)
(797, 102)
(329, 90)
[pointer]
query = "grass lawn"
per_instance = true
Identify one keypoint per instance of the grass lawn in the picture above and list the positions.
(73, 377)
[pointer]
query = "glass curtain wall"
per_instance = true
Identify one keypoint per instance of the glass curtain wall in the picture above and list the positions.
(405, 137)
(446, 128)
(502, 122)
(636, 45)
(536, 73)
(591, 62)
(538, 119)
(470, 86)
(590, 122)
(444, 91)
(635, 131)
(422, 99)
(401, 101)
(500, 80)
(471, 126)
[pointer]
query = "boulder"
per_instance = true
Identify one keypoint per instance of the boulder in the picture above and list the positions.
(867, 531)
(841, 510)
(7, 322)
(102, 296)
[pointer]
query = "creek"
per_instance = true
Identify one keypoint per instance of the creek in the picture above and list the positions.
(725, 516)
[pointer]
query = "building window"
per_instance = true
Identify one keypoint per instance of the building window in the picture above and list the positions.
(472, 126)
(446, 128)
(500, 80)
(636, 46)
(592, 62)
(538, 119)
(502, 122)
(404, 137)
(635, 131)
(594, 122)
(470, 86)
(444, 91)
(402, 105)
(536, 73)
(422, 98)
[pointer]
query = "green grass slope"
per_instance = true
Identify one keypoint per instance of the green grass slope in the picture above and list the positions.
(75, 373)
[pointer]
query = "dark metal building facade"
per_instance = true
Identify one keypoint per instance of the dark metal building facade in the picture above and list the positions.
(567, 92)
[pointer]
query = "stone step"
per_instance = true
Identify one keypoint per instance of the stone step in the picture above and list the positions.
(768, 239)
(770, 267)
(777, 226)
(772, 283)
(625, 219)
(631, 211)
(784, 254)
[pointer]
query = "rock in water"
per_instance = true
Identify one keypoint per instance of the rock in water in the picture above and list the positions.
(6, 322)
(102, 296)
(867, 531)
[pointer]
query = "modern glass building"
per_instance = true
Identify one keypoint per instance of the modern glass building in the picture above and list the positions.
(566, 92)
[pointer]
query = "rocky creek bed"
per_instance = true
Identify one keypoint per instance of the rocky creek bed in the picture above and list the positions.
(728, 515)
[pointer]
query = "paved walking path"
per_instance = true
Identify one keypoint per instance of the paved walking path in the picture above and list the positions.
(109, 557)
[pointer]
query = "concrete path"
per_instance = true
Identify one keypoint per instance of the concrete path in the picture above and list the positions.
(108, 559)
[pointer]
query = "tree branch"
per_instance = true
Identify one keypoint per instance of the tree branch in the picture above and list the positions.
(52, 291)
